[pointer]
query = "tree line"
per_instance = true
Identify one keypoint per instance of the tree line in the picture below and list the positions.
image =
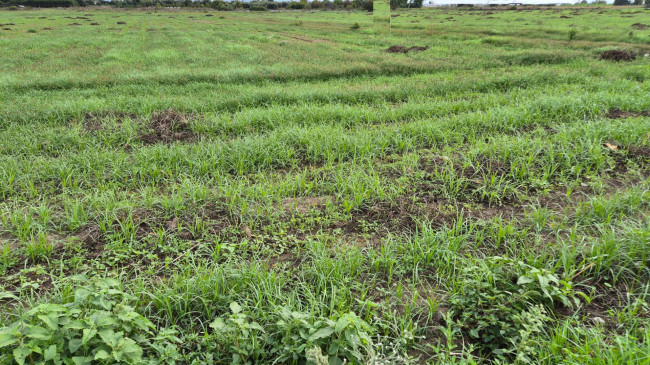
(259, 5)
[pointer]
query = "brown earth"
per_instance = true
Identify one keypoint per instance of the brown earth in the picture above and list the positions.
(621, 114)
(92, 122)
(169, 126)
(617, 55)
(403, 49)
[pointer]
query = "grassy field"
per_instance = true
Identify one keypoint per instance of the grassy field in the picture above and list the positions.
(277, 188)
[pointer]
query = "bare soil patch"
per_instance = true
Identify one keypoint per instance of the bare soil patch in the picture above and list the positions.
(121, 23)
(92, 240)
(93, 122)
(640, 26)
(618, 55)
(639, 153)
(169, 126)
(403, 49)
(94, 23)
(305, 204)
(621, 114)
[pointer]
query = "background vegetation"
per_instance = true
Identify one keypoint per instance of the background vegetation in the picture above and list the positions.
(257, 187)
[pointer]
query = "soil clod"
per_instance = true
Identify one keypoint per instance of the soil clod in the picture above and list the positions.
(168, 126)
(618, 55)
(403, 49)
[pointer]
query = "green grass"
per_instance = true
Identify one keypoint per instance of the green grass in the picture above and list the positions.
(275, 187)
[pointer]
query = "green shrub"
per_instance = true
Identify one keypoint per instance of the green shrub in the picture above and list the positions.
(295, 336)
(99, 325)
(495, 304)
(345, 337)
(355, 26)
(572, 33)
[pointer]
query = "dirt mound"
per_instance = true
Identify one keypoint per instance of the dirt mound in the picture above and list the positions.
(621, 114)
(121, 23)
(92, 240)
(403, 49)
(617, 55)
(74, 24)
(640, 26)
(639, 153)
(94, 23)
(169, 126)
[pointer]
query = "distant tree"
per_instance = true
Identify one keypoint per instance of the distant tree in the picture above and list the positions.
(363, 4)
(394, 4)
(638, 2)
(297, 5)
(315, 4)
(48, 3)
(621, 2)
